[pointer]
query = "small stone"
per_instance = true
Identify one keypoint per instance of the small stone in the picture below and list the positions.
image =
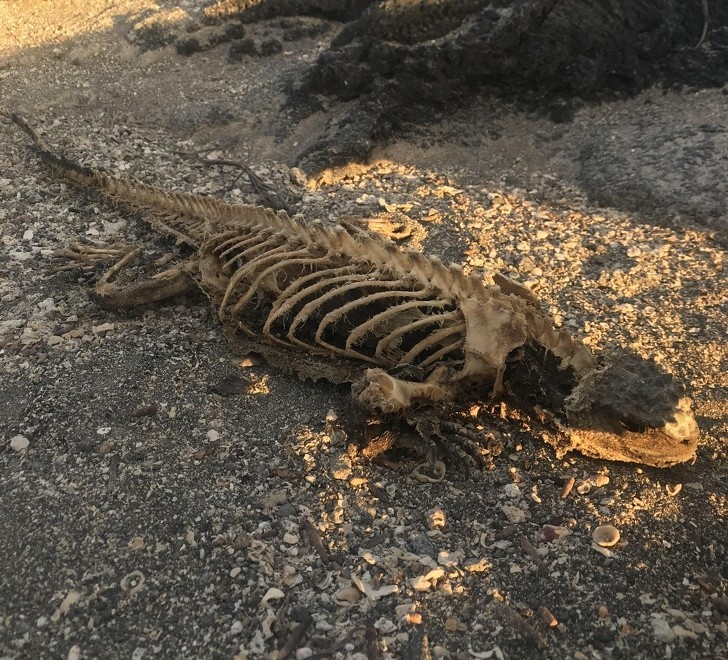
(601, 480)
(102, 329)
(452, 625)
(550, 533)
(213, 435)
(606, 536)
(290, 538)
(272, 594)
(341, 467)
(303, 653)
(415, 618)
(19, 443)
(673, 490)
(235, 572)
(358, 481)
(137, 543)
(603, 612)
(514, 514)
(541, 234)
(436, 518)
(287, 510)
(347, 596)
(444, 558)
(420, 583)
(54, 340)
(404, 609)
(683, 633)
(28, 235)
(331, 415)
(661, 629)
(476, 565)
(236, 628)
(298, 177)
(512, 491)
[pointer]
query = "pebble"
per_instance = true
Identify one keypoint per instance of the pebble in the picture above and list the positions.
(290, 538)
(444, 558)
(236, 628)
(272, 594)
(514, 514)
(606, 536)
(137, 543)
(673, 490)
(436, 518)
(512, 491)
(661, 629)
(298, 177)
(601, 480)
(213, 435)
(550, 533)
(235, 572)
(341, 467)
(102, 329)
(303, 653)
(404, 609)
(420, 583)
(19, 443)
(583, 488)
(347, 596)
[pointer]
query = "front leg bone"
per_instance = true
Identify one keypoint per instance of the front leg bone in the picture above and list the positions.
(388, 394)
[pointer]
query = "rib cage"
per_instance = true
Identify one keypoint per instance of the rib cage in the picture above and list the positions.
(299, 292)
(339, 291)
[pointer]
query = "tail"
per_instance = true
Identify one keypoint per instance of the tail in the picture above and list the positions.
(84, 177)
(182, 216)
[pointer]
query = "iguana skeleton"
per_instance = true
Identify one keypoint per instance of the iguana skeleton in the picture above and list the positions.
(412, 335)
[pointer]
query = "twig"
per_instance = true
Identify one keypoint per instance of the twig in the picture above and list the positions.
(527, 546)
(568, 485)
(340, 644)
(548, 618)
(520, 625)
(706, 20)
(113, 472)
(315, 540)
(269, 196)
(372, 642)
(295, 637)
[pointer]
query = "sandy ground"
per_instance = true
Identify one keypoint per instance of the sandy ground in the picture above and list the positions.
(170, 502)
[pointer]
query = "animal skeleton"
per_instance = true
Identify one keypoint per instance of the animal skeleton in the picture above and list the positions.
(406, 330)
